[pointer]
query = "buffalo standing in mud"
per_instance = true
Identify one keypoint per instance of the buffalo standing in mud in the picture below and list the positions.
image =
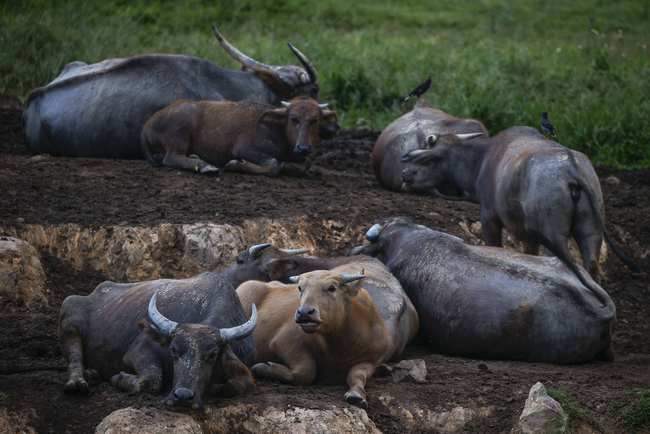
(334, 325)
(408, 132)
(98, 110)
(488, 302)
(197, 334)
(204, 136)
(540, 191)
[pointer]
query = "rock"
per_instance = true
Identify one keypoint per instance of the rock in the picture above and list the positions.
(409, 370)
(147, 421)
(542, 414)
(21, 274)
(423, 419)
(612, 180)
(246, 418)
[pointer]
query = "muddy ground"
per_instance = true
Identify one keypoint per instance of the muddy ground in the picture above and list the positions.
(92, 193)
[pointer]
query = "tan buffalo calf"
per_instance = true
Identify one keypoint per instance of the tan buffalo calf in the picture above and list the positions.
(331, 326)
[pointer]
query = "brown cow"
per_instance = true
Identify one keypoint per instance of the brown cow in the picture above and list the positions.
(203, 136)
(331, 326)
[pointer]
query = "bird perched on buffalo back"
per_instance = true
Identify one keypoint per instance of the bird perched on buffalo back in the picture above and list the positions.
(546, 126)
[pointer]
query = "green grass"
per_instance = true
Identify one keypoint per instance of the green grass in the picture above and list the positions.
(573, 410)
(638, 415)
(586, 62)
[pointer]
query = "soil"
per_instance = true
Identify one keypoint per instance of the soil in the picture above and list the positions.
(341, 187)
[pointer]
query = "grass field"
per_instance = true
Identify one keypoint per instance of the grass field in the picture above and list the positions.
(586, 62)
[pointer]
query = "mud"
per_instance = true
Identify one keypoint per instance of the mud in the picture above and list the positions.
(341, 188)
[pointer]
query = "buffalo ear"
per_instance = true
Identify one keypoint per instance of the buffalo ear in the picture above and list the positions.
(153, 333)
(329, 117)
(280, 268)
(276, 116)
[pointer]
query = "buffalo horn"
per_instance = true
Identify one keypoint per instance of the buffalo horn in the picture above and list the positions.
(162, 323)
(257, 248)
(323, 106)
(411, 155)
(240, 331)
(373, 232)
(465, 136)
(294, 279)
(294, 251)
(239, 56)
(309, 67)
(351, 277)
(286, 104)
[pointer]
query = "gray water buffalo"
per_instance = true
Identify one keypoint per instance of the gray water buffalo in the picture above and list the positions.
(408, 132)
(98, 110)
(488, 302)
(540, 191)
(204, 136)
(196, 336)
(333, 326)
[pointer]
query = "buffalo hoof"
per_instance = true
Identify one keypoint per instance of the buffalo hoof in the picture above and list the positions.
(76, 385)
(210, 170)
(261, 370)
(355, 398)
(125, 382)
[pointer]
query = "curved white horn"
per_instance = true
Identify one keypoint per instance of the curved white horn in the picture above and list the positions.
(324, 105)
(465, 136)
(240, 331)
(294, 279)
(286, 104)
(245, 60)
(294, 251)
(257, 249)
(373, 232)
(159, 320)
(309, 67)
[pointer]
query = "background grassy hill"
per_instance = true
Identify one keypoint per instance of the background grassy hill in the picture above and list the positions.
(586, 62)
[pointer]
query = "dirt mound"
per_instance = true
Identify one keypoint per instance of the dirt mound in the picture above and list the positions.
(99, 193)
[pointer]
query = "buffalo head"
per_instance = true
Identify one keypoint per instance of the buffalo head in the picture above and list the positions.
(429, 166)
(195, 351)
(260, 262)
(285, 81)
(301, 119)
(324, 296)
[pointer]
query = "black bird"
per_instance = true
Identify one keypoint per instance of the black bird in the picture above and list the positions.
(419, 90)
(546, 126)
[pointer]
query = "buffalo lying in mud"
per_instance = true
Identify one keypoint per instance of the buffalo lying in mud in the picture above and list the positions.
(203, 136)
(197, 334)
(488, 302)
(408, 132)
(98, 110)
(540, 191)
(334, 325)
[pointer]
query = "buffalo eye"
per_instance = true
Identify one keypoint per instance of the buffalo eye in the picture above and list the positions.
(299, 288)
(332, 288)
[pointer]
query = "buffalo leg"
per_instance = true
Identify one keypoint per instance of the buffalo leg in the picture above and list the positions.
(238, 378)
(73, 351)
(193, 164)
(300, 368)
(357, 378)
(268, 167)
(142, 358)
(491, 228)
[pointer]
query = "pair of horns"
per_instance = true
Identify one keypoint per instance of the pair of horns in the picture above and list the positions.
(345, 277)
(287, 104)
(253, 64)
(167, 326)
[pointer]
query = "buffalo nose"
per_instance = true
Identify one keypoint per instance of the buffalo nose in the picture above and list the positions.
(183, 394)
(306, 311)
(408, 174)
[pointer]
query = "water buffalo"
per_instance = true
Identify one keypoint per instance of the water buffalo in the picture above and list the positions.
(331, 326)
(243, 136)
(540, 191)
(198, 338)
(408, 132)
(489, 302)
(98, 110)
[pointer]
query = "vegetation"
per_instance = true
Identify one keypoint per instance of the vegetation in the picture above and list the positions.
(573, 410)
(638, 415)
(586, 62)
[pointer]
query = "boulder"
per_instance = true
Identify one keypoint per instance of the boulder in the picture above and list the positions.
(147, 421)
(21, 274)
(12, 422)
(247, 418)
(418, 418)
(542, 414)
